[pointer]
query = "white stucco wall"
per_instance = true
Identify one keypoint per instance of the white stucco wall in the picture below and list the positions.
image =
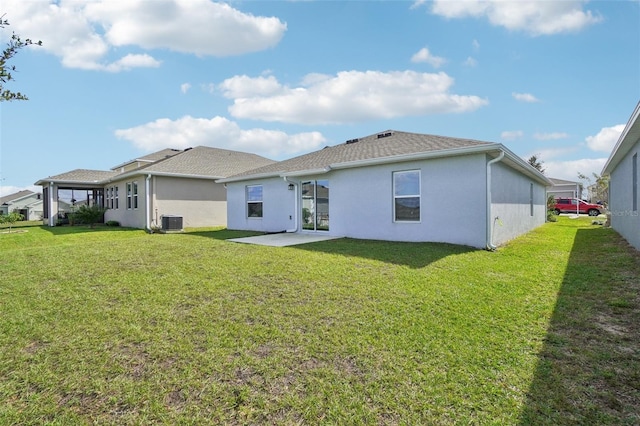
(278, 206)
(133, 217)
(452, 205)
(511, 203)
(361, 203)
(624, 219)
(199, 202)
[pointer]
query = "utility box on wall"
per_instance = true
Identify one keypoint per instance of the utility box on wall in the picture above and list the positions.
(171, 223)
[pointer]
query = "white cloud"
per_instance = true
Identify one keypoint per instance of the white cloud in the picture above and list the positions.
(569, 170)
(550, 136)
(220, 132)
(424, 55)
(185, 87)
(525, 97)
(476, 45)
(511, 135)
(470, 62)
(189, 26)
(243, 86)
(349, 96)
(132, 61)
(606, 138)
(533, 17)
(551, 153)
(84, 33)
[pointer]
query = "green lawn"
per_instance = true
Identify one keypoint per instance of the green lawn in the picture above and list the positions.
(116, 326)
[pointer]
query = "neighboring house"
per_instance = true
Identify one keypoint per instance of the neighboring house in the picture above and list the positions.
(139, 193)
(622, 169)
(27, 203)
(564, 188)
(395, 186)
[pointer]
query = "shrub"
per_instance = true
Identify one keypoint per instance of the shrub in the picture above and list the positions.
(88, 215)
(112, 223)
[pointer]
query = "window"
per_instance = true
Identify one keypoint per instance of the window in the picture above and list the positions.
(135, 195)
(115, 198)
(129, 195)
(406, 196)
(634, 177)
(254, 201)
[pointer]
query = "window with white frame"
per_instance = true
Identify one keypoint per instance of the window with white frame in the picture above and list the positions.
(129, 195)
(254, 201)
(109, 197)
(135, 195)
(406, 196)
(115, 198)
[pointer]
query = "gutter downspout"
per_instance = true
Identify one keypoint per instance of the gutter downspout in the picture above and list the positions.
(295, 203)
(147, 207)
(50, 206)
(490, 246)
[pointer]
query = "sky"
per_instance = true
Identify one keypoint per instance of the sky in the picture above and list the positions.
(115, 80)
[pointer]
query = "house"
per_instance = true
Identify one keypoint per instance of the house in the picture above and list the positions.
(27, 203)
(395, 186)
(622, 169)
(561, 188)
(142, 192)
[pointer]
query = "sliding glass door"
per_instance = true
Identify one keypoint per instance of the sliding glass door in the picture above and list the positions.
(315, 205)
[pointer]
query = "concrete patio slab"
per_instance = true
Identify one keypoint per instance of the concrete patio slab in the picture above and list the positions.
(282, 239)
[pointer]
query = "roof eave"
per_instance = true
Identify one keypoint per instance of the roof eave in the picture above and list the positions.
(629, 136)
(417, 156)
(43, 182)
(250, 177)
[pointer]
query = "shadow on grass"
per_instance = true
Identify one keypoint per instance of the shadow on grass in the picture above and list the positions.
(77, 229)
(413, 255)
(588, 371)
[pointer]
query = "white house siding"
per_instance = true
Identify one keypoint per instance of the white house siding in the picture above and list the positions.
(200, 202)
(624, 219)
(361, 202)
(278, 206)
(451, 204)
(133, 217)
(511, 203)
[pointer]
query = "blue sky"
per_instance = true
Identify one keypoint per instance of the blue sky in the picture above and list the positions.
(115, 80)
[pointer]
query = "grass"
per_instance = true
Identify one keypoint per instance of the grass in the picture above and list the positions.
(116, 326)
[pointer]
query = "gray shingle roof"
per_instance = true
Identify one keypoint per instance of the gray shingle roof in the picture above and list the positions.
(208, 161)
(153, 157)
(15, 196)
(201, 161)
(387, 144)
(81, 176)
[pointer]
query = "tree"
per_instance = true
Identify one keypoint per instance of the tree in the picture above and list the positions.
(536, 162)
(11, 219)
(14, 45)
(598, 188)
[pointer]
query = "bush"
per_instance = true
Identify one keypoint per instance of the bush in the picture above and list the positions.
(88, 215)
(112, 223)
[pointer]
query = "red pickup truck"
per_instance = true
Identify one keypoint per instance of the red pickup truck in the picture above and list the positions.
(573, 205)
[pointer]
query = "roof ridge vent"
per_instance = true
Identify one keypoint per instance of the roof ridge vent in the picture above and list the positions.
(350, 141)
(384, 135)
